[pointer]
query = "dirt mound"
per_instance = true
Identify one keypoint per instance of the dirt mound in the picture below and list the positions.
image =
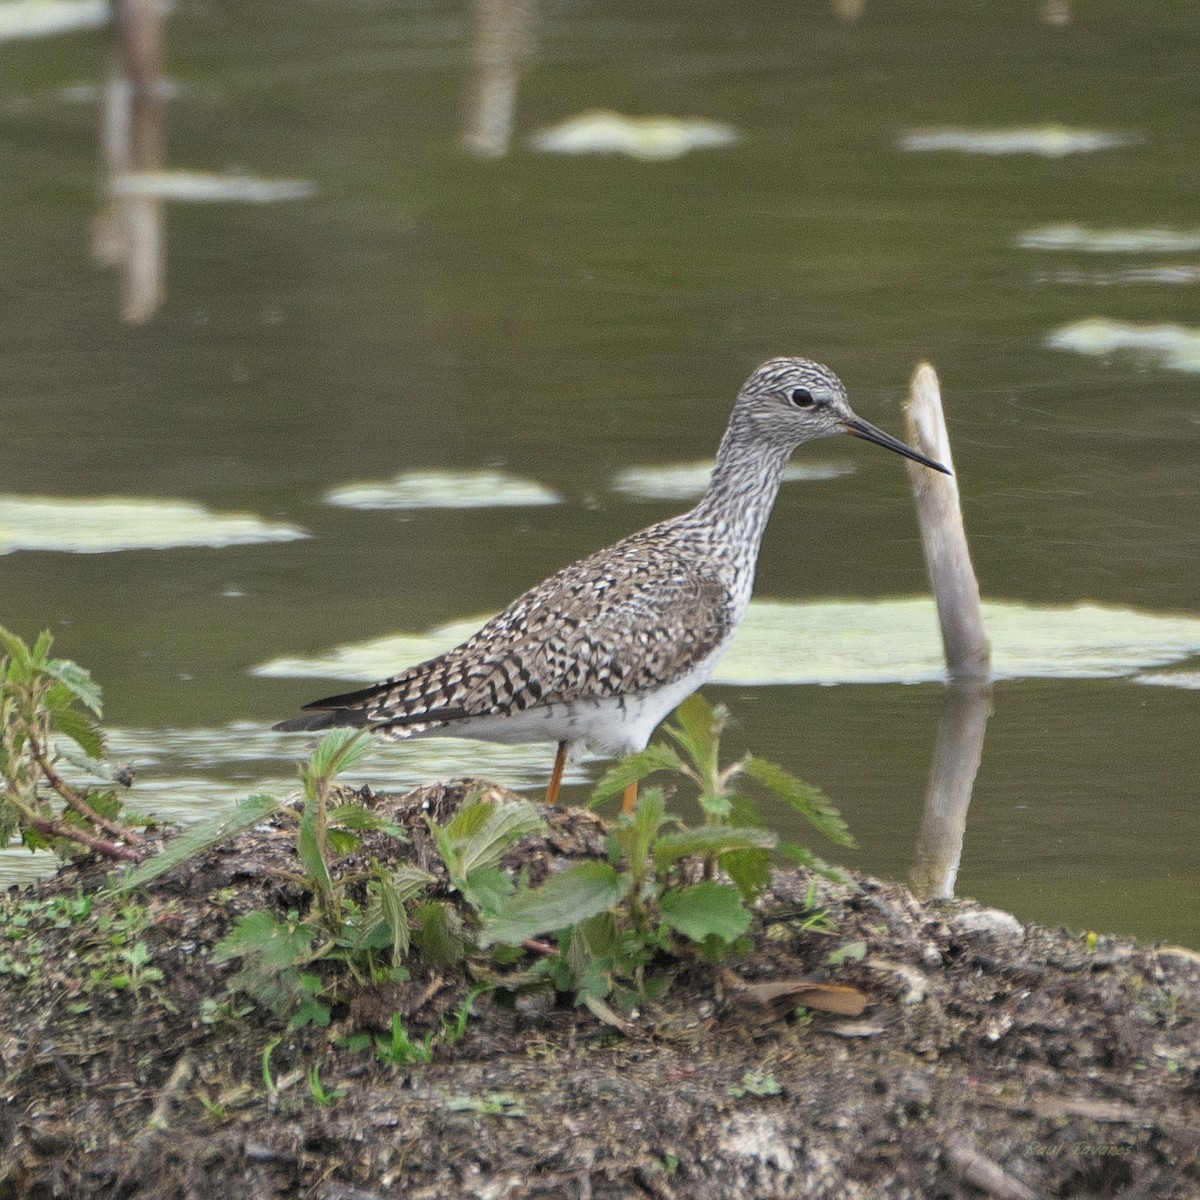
(992, 1059)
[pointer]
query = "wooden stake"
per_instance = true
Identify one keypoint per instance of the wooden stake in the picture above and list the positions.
(947, 558)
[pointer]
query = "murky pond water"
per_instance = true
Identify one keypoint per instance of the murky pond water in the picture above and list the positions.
(1007, 191)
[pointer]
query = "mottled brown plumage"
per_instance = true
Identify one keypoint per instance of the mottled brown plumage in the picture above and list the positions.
(599, 653)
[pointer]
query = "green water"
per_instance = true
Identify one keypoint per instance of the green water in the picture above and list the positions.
(567, 317)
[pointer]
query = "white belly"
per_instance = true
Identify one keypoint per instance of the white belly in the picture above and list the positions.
(613, 727)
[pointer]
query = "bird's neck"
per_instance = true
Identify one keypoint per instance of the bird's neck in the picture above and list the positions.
(742, 492)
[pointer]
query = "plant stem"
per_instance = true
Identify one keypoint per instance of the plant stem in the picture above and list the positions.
(76, 801)
(60, 828)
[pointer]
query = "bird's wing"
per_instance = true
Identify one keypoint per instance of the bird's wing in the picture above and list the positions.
(618, 622)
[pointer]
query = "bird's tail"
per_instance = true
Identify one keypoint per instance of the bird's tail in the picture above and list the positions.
(329, 718)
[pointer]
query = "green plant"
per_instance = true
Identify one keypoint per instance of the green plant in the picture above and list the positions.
(270, 1087)
(613, 919)
(137, 973)
(399, 1049)
(41, 698)
(695, 756)
(618, 924)
(368, 938)
(109, 951)
(362, 925)
(317, 1090)
(721, 793)
(755, 1083)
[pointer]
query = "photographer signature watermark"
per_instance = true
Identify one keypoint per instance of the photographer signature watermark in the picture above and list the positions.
(1097, 1149)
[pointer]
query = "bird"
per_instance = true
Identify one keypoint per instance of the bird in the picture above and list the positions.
(598, 654)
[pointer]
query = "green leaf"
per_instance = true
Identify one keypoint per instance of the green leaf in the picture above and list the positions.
(850, 952)
(469, 819)
(341, 841)
(810, 802)
(41, 649)
(276, 944)
(698, 730)
(716, 804)
(806, 858)
(635, 768)
(599, 935)
(311, 1010)
(438, 934)
(636, 834)
(706, 910)
(78, 680)
(391, 905)
(565, 899)
(308, 846)
(408, 880)
(709, 841)
(475, 840)
(20, 664)
(339, 750)
(749, 869)
(355, 817)
(487, 889)
(196, 839)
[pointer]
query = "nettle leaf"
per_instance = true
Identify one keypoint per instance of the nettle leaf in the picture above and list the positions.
(342, 841)
(749, 869)
(276, 944)
(810, 802)
(709, 841)
(60, 705)
(487, 889)
(78, 680)
(706, 910)
(582, 891)
(600, 935)
(355, 817)
(391, 905)
(339, 750)
(41, 649)
(716, 805)
(635, 768)
(438, 934)
(634, 836)
(308, 847)
(311, 1010)
(408, 880)
(20, 663)
(476, 840)
(469, 819)
(198, 838)
(698, 730)
(107, 804)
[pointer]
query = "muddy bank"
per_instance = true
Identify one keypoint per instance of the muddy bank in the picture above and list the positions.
(991, 1060)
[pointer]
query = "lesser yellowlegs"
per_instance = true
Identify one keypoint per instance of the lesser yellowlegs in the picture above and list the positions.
(598, 654)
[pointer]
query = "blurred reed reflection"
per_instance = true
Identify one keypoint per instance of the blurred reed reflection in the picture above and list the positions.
(128, 231)
(503, 45)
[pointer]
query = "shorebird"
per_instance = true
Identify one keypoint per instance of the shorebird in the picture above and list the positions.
(597, 655)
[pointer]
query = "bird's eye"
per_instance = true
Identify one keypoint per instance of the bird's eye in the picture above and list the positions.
(801, 398)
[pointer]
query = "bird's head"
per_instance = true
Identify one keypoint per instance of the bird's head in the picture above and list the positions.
(789, 401)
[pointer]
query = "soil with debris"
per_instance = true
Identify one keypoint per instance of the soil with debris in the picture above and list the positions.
(992, 1060)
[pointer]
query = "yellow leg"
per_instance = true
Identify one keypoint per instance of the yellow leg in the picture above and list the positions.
(560, 761)
(629, 800)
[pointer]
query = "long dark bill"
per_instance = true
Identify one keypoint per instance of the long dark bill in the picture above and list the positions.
(857, 427)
